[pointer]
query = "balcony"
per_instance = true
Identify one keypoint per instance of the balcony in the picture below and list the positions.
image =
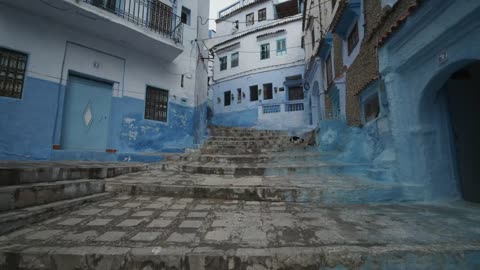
(234, 7)
(146, 25)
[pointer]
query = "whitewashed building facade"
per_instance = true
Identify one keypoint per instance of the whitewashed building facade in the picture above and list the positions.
(258, 65)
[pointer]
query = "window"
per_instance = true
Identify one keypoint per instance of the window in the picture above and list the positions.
(371, 108)
(267, 91)
(295, 93)
(235, 25)
(254, 93)
(227, 99)
(264, 51)
(262, 14)
(353, 39)
(186, 16)
(239, 95)
(281, 47)
(13, 66)
(250, 19)
(328, 68)
(156, 104)
(234, 60)
(223, 63)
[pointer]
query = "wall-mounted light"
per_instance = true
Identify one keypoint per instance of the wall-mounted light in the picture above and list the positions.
(182, 80)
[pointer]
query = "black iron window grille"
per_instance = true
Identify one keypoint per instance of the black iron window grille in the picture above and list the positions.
(264, 51)
(13, 67)
(262, 14)
(151, 14)
(156, 104)
(223, 63)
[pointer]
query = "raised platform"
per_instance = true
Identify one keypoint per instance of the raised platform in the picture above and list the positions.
(140, 233)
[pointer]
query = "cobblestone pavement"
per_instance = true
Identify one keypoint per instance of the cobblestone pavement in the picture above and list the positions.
(142, 221)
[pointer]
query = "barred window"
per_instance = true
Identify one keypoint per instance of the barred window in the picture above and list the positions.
(156, 104)
(234, 60)
(262, 14)
(281, 46)
(12, 73)
(295, 93)
(223, 63)
(264, 51)
(250, 19)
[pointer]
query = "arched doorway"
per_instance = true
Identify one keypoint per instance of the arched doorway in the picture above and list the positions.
(462, 93)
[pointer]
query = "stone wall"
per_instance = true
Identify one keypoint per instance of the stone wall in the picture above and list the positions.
(338, 56)
(379, 24)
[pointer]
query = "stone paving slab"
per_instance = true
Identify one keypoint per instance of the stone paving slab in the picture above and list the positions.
(305, 235)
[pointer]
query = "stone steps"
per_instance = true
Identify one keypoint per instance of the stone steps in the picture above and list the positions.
(255, 169)
(217, 149)
(248, 138)
(254, 158)
(272, 143)
(21, 196)
(16, 219)
(18, 173)
(200, 234)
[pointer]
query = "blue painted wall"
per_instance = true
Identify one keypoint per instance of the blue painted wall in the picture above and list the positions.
(27, 124)
(27, 127)
(244, 118)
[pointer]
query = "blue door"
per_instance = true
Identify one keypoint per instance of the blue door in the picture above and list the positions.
(86, 114)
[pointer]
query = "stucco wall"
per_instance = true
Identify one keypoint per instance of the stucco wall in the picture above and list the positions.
(54, 50)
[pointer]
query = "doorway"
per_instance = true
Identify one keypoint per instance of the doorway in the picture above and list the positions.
(463, 96)
(86, 114)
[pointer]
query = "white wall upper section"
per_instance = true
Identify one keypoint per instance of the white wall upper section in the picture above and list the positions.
(225, 27)
(249, 50)
(46, 41)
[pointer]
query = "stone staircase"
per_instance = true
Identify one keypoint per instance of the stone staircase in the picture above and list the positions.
(34, 191)
(247, 200)
(260, 165)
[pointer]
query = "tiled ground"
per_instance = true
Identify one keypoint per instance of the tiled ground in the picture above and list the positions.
(139, 221)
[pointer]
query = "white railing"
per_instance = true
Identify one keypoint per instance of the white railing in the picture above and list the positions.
(294, 107)
(271, 109)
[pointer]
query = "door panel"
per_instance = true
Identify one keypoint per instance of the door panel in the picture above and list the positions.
(86, 114)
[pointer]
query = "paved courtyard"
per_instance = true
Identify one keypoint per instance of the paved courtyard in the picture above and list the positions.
(179, 226)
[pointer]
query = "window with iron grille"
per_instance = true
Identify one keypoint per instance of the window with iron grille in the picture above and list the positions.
(234, 60)
(239, 95)
(353, 39)
(227, 98)
(13, 66)
(295, 93)
(267, 91)
(328, 68)
(264, 51)
(254, 93)
(250, 19)
(223, 63)
(281, 46)
(156, 104)
(262, 14)
(161, 17)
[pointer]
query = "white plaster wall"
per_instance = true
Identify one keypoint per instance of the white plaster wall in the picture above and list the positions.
(249, 52)
(45, 41)
(224, 27)
(277, 120)
(276, 77)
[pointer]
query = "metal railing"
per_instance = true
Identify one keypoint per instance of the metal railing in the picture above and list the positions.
(271, 109)
(151, 14)
(294, 107)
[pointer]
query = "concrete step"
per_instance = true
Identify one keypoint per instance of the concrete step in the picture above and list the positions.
(256, 144)
(185, 234)
(18, 173)
(248, 138)
(265, 169)
(21, 196)
(223, 149)
(323, 190)
(254, 158)
(246, 133)
(16, 219)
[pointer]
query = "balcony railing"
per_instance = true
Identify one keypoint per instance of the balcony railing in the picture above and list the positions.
(289, 106)
(294, 107)
(151, 14)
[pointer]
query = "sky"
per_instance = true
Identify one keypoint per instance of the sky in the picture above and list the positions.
(217, 5)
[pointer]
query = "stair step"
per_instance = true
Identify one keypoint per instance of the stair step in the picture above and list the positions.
(18, 173)
(254, 158)
(247, 139)
(16, 219)
(21, 196)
